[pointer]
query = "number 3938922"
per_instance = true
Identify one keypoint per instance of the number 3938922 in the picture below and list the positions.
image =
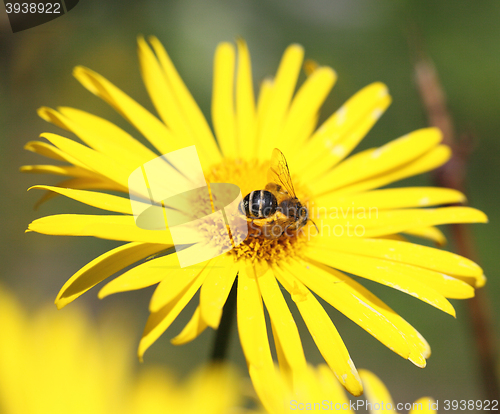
(34, 8)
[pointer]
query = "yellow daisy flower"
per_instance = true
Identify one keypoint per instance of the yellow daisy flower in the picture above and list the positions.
(63, 363)
(361, 229)
(318, 390)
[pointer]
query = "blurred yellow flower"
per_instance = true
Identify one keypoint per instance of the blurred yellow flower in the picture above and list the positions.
(59, 362)
(361, 229)
(318, 390)
(213, 389)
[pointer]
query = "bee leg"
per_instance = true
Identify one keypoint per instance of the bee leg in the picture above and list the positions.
(272, 230)
(291, 228)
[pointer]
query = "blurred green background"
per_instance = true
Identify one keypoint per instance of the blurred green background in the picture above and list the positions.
(364, 41)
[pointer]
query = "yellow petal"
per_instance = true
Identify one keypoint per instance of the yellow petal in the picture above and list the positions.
(96, 139)
(105, 227)
(396, 221)
(393, 198)
(52, 152)
(279, 101)
(215, 290)
(174, 281)
(284, 366)
(410, 253)
(315, 317)
(86, 183)
(416, 349)
(368, 164)
(161, 93)
(222, 100)
(194, 116)
(166, 103)
(265, 95)
(92, 159)
(92, 198)
(428, 233)
(374, 223)
(330, 387)
(144, 275)
(150, 126)
(397, 237)
(192, 330)
(159, 321)
(361, 105)
(304, 108)
(427, 162)
(246, 117)
(342, 131)
(270, 388)
(68, 170)
(106, 130)
(282, 320)
(330, 344)
(102, 267)
(354, 301)
(396, 275)
(252, 324)
(478, 282)
(303, 134)
(375, 391)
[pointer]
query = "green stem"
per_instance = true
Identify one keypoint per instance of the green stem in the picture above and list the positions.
(223, 333)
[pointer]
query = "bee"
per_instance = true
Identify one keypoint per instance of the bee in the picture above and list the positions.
(276, 209)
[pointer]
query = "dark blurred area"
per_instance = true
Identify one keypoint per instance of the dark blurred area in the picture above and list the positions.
(364, 41)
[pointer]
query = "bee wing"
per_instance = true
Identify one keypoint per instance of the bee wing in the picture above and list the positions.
(279, 173)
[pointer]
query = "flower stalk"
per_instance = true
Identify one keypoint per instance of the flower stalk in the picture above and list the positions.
(223, 333)
(452, 175)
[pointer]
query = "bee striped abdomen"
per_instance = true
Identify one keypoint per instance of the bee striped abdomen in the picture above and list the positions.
(260, 204)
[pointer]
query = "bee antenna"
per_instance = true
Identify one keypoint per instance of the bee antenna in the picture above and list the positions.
(314, 224)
